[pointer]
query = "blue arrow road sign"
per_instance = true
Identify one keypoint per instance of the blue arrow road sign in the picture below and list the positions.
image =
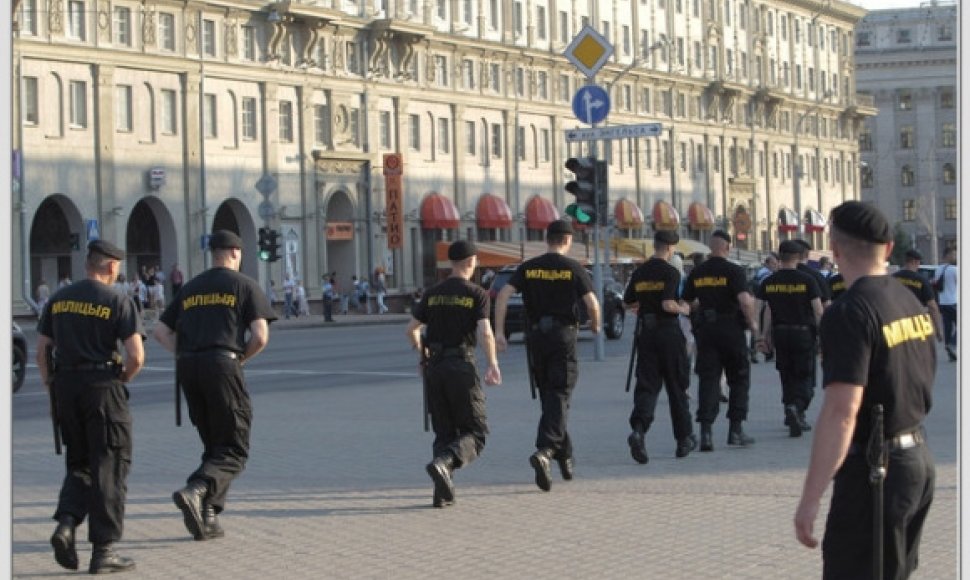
(591, 104)
(92, 231)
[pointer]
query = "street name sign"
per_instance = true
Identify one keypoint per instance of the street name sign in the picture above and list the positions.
(614, 132)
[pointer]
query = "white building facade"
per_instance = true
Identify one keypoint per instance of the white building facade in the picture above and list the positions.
(156, 121)
(907, 60)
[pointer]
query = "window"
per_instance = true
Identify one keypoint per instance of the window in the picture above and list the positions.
(783, 26)
(249, 119)
(384, 129)
(542, 85)
(495, 77)
(865, 177)
(680, 51)
(903, 36)
(743, 57)
(544, 145)
(123, 108)
(249, 43)
(166, 31)
(811, 79)
(865, 140)
(520, 143)
(949, 135)
(517, 18)
(950, 208)
(648, 153)
(442, 11)
(742, 15)
(798, 76)
(645, 44)
(467, 74)
(286, 121)
(564, 92)
(606, 31)
(169, 112)
(470, 139)
(665, 103)
(774, 165)
(907, 177)
(809, 34)
(716, 159)
(907, 138)
(353, 58)
(946, 98)
(321, 125)
(696, 8)
(444, 135)
(29, 103)
(729, 62)
(467, 13)
(564, 27)
(122, 25)
(698, 55)
(441, 70)
(354, 126)
(209, 115)
(519, 81)
(626, 40)
(862, 39)
(627, 98)
(79, 104)
(496, 140)
(492, 14)
(699, 159)
(76, 20)
(905, 100)
(645, 99)
(209, 37)
(541, 22)
(28, 17)
(949, 174)
(414, 132)
(727, 12)
(909, 210)
(944, 31)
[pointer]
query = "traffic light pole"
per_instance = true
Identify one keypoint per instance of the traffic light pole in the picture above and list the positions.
(599, 342)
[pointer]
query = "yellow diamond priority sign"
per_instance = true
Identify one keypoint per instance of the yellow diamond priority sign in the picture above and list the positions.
(589, 51)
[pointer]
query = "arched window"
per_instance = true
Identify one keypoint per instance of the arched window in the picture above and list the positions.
(949, 173)
(906, 176)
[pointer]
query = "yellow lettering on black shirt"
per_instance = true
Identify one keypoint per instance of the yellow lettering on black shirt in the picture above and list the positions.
(908, 282)
(214, 299)
(552, 275)
(648, 286)
(82, 308)
(786, 289)
(917, 327)
(448, 300)
(838, 286)
(710, 281)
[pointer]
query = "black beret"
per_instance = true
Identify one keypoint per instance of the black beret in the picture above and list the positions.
(862, 221)
(721, 234)
(913, 254)
(106, 248)
(791, 247)
(805, 246)
(559, 227)
(224, 239)
(461, 249)
(666, 237)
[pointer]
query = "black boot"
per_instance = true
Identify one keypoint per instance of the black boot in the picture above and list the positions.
(566, 466)
(190, 500)
(685, 446)
(638, 448)
(737, 436)
(791, 419)
(707, 440)
(540, 461)
(440, 471)
(104, 560)
(802, 422)
(211, 522)
(63, 542)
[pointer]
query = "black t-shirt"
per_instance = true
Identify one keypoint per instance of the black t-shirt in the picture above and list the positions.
(215, 309)
(716, 283)
(451, 310)
(822, 281)
(550, 285)
(652, 283)
(878, 335)
(86, 320)
(918, 285)
(789, 294)
(836, 285)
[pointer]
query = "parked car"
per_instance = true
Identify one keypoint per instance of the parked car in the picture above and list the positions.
(614, 314)
(19, 357)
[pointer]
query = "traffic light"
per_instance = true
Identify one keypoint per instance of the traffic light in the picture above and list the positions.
(269, 245)
(602, 193)
(584, 188)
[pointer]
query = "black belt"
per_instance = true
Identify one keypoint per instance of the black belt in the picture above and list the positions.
(89, 366)
(549, 322)
(212, 351)
(906, 440)
(793, 326)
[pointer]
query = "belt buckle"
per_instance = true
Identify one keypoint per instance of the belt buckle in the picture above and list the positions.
(905, 441)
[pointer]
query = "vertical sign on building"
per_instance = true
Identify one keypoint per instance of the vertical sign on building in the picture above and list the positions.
(394, 200)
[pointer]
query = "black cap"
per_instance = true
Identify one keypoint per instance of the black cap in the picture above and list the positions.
(461, 249)
(913, 254)
(790, 247)
(666, 237)
(224, 239)
(721, 234)
(559, 227)
(106, 248)
(806, 247)
(862, 221)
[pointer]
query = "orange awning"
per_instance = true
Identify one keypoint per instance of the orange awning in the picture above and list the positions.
(814, 221)
(539, 213)
(439, 212)
(628, 215)
(665, 216)
(700, 217)
(493, 212)
(787, 220)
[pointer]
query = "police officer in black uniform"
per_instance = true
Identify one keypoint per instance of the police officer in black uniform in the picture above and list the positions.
(875, 350)
(794, 308)
(452, 312)
(911, 278)
(206, 326)
(661, 348)
(822, 281)
(83, 323)
(551, 285)
(836, 285)
(718, 291)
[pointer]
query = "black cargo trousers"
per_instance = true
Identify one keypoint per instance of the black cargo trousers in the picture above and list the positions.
(722, 348)
(795, 360)
(552, 346)
(661, 360)
(456, 402)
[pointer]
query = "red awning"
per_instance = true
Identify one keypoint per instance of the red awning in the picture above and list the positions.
(493, 212)
(628, 215)
(814, 221)
(787, 220)
(700, 217)
(665, 216)
(439, 212)
(539, 213)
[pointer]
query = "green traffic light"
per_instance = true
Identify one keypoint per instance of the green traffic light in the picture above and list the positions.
(264, 255)
(577, 212)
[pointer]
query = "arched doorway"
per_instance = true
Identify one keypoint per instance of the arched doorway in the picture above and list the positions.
(341, 256)
(56, 237)
(233, 216)
(150, 240)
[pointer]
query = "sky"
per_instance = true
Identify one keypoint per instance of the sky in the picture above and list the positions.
(879, 4)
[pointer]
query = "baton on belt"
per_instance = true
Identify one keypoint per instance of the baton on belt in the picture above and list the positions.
(55, 422)
(633, 353)
(876, 457)
(424, 384)
(528, 363)
(178, 397)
